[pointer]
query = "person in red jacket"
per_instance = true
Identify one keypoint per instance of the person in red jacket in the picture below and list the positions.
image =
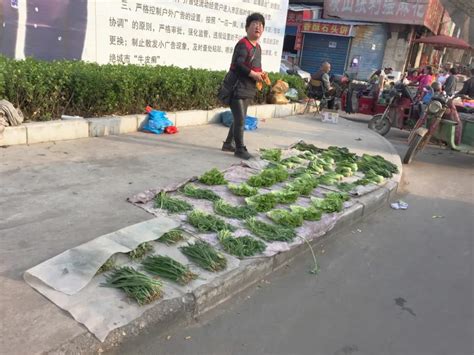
(246, 67)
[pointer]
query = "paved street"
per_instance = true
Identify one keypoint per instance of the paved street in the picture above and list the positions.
(58, 195)
(400, 283)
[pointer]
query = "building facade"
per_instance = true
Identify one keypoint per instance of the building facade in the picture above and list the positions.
(355, 48)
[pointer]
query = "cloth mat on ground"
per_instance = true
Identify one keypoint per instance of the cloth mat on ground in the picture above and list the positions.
(69, 280)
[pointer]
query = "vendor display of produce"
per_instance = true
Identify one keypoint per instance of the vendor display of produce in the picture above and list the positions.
(269, 209)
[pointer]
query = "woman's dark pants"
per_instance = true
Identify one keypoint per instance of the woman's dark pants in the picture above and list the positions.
(236, 130)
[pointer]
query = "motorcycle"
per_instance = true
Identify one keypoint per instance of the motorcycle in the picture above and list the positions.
(438, 123)
(402, 111)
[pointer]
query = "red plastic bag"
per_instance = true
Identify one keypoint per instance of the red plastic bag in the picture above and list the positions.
(171, 130)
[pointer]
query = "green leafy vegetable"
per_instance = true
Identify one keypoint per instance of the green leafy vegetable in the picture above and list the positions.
(286, 196)
(307, 155)
(338, 195)
(213, 177)
(136, 285)
(268, 177)
(330, 178)
(332, 202)
(270, 232)
(339, 154)
(286, 218)
(303, 184)
(263, 202)
(191, 190)
(207, 223)
(271, 154)
(317, 167)
(308, 213)
(168, 268)
(240, 247)
(243, 190)
(172, 237)
(302, 146)
(227, 210)
(377, 165)
(140, 251)
(344, 171)
(374, 177)
(171, 204)
(292, 162)
(204, 255)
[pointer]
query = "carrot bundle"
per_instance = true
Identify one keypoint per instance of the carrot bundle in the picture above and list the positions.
(266, 80)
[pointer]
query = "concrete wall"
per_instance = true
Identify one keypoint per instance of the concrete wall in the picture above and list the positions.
(397, 47)
(37, 132)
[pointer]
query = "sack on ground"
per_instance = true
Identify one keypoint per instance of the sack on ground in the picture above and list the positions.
(251, 123)
(157, 122)
(10, 115)
(278, 92)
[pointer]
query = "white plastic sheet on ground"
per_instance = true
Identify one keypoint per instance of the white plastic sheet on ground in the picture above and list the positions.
(69, 280)
(71, 271)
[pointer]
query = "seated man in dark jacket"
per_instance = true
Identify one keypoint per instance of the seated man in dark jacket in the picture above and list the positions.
(321, 85)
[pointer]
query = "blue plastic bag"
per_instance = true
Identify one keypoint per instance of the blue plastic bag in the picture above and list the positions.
(157, 122)
(251, 123)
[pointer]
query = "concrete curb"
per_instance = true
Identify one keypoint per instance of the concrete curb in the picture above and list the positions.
(59, 130)
(182, 310)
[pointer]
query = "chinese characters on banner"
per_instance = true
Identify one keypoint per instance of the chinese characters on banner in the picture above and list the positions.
(185, 33)
(335, 29)
(299, 38)
(417, 12)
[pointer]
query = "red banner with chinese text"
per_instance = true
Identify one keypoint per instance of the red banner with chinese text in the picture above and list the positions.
(299, 39)
(334, 29)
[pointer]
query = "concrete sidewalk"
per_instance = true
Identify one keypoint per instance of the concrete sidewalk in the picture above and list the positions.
(55, 196)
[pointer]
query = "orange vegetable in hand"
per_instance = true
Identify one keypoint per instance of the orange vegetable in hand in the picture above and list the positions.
(266, 80)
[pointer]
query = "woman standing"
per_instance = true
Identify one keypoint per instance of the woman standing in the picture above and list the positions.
(245, 72)
(425, 79)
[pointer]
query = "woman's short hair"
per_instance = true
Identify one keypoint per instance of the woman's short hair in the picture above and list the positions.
(254, 17)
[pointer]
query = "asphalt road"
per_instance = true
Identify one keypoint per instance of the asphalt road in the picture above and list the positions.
(400, 282)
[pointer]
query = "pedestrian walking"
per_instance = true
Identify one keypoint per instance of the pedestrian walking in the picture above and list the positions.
(245, 71)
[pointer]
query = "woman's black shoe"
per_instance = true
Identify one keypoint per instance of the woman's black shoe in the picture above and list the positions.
(228, 147)
(243, 153)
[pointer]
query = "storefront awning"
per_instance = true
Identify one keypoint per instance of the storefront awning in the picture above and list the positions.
(444, 42)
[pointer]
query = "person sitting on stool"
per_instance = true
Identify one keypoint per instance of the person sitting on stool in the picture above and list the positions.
(321, 85)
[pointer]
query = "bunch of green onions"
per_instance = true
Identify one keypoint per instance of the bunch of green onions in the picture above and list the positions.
(135, 284)
(204, 255)
(172, 237)
(168, 268)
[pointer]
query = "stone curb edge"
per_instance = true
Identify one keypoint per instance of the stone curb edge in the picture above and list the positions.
(177, 311)
(60, 130)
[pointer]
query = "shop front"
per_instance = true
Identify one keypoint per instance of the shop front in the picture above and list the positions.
(325, 41)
